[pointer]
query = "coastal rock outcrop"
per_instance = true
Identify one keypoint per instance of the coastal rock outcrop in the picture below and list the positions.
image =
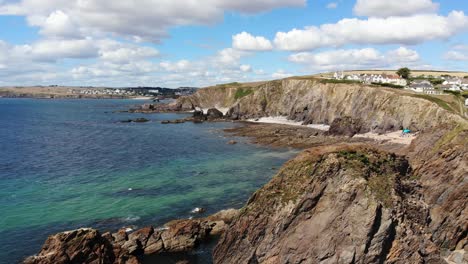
(339, 204)
(87, 245)
(214, 113)
(77, 246)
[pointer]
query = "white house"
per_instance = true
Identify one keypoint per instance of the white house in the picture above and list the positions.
(450, 87)
(464, 84)
(353, 77)
(338, 75)
(423, 87)
(451, 81)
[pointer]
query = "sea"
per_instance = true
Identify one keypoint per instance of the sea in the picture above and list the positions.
(66, 164)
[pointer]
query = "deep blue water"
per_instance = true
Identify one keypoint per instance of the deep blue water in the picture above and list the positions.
(66, 164)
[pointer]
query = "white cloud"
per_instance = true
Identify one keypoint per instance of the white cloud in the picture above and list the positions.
(458, 53)
(280, 74)
(51, 50)
(58, 24)
(245, 68)
(391, 30)
(402, 55)
(147, 20)
(126, 54)
(229, 57)
(386, 8)
(178, 66)
(332, 5)
(352, 59)
(245, 41)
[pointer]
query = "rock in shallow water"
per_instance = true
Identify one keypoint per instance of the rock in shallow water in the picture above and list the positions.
(89, 246)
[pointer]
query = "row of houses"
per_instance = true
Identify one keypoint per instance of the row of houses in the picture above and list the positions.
(449, 83)
(372, 78)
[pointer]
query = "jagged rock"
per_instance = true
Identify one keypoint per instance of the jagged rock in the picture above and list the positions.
(154, 244)
(77, 246)
(184, 235)
(214, 113)
(232, 142)
(329, 205)
(346, 126)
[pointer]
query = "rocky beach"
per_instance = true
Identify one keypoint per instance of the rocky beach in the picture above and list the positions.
(357, 193)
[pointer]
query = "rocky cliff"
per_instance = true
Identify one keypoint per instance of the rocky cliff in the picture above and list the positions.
(314, 101)
(354, 204)
(337, 203)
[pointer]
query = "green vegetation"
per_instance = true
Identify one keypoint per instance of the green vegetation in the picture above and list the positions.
(436, 100)
(382, 186)
(404, 73)
(389, 85)
(339, 81)
(353, 155)
(448, 137)
(456, 93)
(241, 92)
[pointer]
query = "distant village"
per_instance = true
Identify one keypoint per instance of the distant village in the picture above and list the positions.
(425, 84)
(138, 91)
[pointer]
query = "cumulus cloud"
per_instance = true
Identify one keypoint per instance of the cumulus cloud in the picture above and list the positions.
(52, 50)
(348, 59)
(391, 30)
(58, 24)
(385, 8)
(147, 20)
(457, 53)
(403, 54)
(245, 68)
(245, 41)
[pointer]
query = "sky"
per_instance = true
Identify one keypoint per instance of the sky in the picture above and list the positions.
(206, 42)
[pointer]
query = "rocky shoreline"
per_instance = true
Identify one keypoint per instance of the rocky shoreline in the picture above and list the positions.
(342, 200)
(87, 245)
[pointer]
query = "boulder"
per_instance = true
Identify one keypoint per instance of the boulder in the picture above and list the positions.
(78, 246)
(346, 126)
(214, 113)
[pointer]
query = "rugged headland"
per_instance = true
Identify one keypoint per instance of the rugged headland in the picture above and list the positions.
(341, 200)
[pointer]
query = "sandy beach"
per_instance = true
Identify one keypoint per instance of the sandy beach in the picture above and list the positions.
(391, 137)
(282, 120)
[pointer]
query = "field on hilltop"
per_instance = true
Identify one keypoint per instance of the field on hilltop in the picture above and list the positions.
(413, 73)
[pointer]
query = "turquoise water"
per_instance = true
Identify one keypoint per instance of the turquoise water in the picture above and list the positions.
(70, 163)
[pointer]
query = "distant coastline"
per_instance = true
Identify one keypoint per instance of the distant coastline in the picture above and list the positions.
(71, 92)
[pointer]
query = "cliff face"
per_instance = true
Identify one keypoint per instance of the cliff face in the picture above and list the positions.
(355, 205)
(312, 101)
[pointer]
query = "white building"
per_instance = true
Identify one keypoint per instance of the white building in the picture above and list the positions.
(338, 75)
(423, 87)
(452, 81)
